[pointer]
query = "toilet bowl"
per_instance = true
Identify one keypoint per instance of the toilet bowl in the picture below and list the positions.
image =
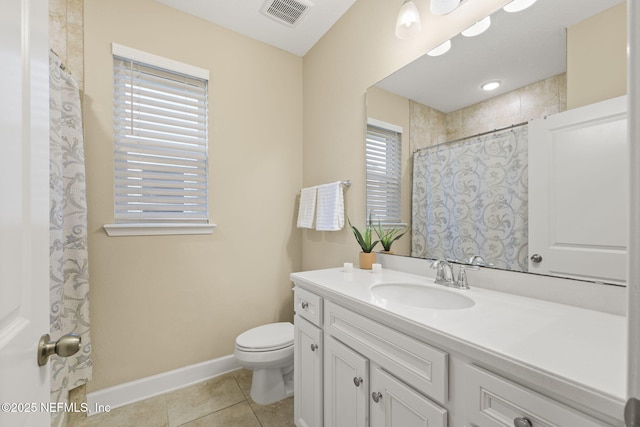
(268, 351)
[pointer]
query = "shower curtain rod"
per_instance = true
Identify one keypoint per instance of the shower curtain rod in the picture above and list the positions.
(471, 136)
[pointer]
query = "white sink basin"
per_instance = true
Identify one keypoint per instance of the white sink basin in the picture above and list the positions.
(422, 296)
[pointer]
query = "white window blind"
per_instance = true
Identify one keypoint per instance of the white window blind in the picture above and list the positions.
(160, 143)
(383, 163)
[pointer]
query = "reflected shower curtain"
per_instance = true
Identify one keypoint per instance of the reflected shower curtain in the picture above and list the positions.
(69, 272)
(470, 198)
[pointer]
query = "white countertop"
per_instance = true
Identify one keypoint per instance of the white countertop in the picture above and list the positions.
(582, 347)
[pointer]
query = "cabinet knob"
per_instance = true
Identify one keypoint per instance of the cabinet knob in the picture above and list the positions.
(376, 396)
(522, 422)
(357, 381)
(536, 258)
(314, 347)
(304, 305)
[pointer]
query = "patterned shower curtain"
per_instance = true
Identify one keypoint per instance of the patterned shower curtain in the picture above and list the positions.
(69, 272)
(470, 198)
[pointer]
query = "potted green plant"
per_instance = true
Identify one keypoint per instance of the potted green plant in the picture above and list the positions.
(389, 235)
(367, 244)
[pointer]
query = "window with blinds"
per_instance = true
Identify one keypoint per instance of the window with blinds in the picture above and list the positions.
(160, 143)
(383, 163)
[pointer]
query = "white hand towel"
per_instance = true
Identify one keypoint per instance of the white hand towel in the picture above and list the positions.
(307, 209)
(330, 207)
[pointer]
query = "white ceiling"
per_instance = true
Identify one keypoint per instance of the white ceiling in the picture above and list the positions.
(518, 49)
(244, 17)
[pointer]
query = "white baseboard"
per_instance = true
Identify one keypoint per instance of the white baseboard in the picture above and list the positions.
(144, 388)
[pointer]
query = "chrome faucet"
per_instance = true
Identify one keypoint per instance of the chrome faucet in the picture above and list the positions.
(444, 274)
(477, 260)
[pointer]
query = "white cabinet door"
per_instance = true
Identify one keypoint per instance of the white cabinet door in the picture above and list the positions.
(346, 386)
(307, 374)
(579, 191)
(394, 404)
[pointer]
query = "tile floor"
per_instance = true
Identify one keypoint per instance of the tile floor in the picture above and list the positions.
(222, 401)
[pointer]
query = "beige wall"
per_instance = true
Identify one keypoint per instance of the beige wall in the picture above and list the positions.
(597, 65)
(163, 302)
(359, 50)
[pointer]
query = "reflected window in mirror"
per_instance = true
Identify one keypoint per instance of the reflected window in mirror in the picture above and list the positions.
(383, 166)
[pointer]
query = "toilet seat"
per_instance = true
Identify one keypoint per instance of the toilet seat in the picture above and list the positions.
(271, 337)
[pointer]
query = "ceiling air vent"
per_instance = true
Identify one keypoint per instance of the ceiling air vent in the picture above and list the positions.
(288, 12)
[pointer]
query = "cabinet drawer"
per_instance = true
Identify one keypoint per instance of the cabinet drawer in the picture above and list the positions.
(494, 401)
(416, 363)
(308, 305)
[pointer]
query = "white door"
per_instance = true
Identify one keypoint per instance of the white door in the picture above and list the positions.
(24, 204)
(633, 8)
(307, 372)
(346, 386)
(579, 193)
(395, 404)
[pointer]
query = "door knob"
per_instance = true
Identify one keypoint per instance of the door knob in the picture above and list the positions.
(314, 347)
(376, 396)
(66, 346)
(357, 381)
(536, 258)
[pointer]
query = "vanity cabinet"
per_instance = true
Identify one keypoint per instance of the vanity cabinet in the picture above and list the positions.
(493, 401)
(359, 393)
(369, 371)
(398, 405)
(353, 368)
(307, 360)
(346, 386)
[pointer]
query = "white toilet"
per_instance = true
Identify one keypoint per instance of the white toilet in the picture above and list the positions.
(268, 351)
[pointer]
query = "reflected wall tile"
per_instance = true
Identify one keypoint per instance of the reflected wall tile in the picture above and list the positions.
(75, 12)
(57, 7)
(58, 35)
(75, 51)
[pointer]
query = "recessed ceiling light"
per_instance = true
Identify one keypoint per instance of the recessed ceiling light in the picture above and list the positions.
(518, 5)
(491, 85)
(440, 50)
(442, 7)
(478, 28)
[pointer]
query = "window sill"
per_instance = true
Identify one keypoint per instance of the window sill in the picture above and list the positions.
(152, 229)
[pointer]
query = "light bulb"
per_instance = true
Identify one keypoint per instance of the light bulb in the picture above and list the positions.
(442, 7)
(408, 22)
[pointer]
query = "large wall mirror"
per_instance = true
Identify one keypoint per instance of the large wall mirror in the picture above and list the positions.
(449, 123)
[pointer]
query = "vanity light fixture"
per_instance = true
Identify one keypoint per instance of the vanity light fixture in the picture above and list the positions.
(408, 22)
(489, 86)
(518, 5)
(478, 28)
(442, 7)
(440, 50)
